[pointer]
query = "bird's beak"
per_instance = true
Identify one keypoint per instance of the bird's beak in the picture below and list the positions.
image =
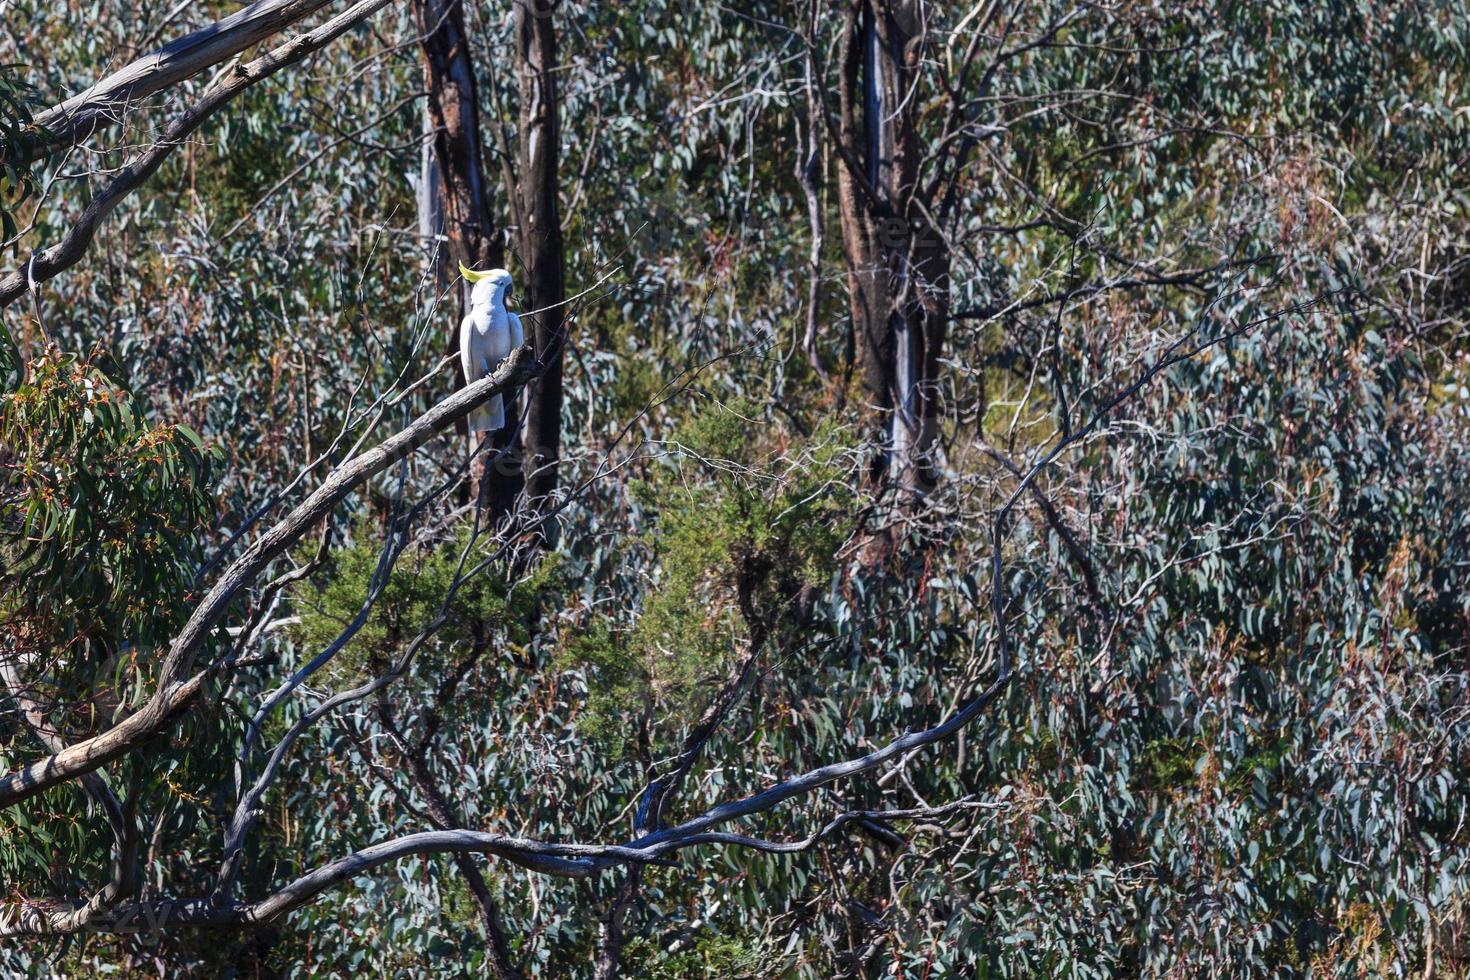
(470, 274)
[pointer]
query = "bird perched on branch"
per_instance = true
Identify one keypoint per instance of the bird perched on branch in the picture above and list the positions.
(487, 335)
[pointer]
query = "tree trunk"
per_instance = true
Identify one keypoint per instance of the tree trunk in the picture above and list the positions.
(898, 263)
(454, 110)
(867, 279)
(539, 237)
(454, 202)
(464, 197)
(429, 196)
(808, 158)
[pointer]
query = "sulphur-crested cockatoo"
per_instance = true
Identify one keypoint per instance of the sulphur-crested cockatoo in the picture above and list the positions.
(487, 335)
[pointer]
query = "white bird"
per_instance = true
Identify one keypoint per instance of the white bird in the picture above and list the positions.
(487, 335)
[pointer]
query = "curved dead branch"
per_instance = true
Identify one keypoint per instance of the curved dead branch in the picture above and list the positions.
(174, 693)
(48, 262)
(108, 101)
(581, 860)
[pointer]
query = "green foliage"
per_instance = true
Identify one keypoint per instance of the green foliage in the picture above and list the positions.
(708, 956)
(17, 97)
(619, 683)
(48, 847)
(741, 520)
(491, 606)
(1170, 764)
(1238, 745)
(100, 512)
(1244, 757)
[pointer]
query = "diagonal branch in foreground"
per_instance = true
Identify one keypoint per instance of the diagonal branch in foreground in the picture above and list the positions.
(581, 860)
(48, 262)
(174, 692)
(108, 100)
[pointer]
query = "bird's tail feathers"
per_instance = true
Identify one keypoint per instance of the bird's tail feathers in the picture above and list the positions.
(489, 417)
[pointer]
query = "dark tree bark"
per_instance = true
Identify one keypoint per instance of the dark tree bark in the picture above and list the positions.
(897, 261)
(463, 197)
(538, 188)
(454, 112)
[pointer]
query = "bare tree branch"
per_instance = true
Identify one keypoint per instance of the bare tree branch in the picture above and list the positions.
(173, 692)
(569, 859)
(572, 860)
(63, 255)
(106, 102)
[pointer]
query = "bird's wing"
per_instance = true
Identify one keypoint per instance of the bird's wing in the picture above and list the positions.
(467, 359)
(517, 335)
(498, 337)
